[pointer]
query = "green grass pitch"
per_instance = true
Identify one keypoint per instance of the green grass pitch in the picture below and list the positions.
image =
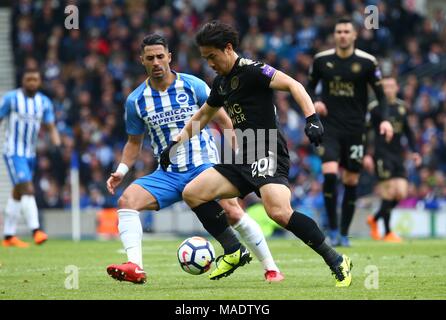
(412, 270)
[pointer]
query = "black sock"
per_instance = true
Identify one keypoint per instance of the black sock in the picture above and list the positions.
(8, 237)
(307, 230)
(34, 231)
(330, 199)
(348, 208)
(213, 218)
(386, 209)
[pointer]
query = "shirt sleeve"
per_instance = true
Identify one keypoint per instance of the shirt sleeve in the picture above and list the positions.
(5, 105)
(410, 136)
(202, 91)
(134, 123)
(261, 74)
(215, 100)
(48, 113)
(313, 79)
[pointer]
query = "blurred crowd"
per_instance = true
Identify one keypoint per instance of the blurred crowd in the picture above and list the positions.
(89, 72)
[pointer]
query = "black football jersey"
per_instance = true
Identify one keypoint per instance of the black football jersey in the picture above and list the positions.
(247, 98)
(397, 115)
(345, 87)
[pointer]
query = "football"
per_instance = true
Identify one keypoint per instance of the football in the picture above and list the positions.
(196, 255)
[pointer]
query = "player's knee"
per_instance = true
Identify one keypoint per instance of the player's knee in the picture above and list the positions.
(191, 196)
(233, 213)
(127, 202)
(279, 213)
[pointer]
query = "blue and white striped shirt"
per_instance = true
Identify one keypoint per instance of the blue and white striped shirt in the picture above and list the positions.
(165, 113)
(24, 116)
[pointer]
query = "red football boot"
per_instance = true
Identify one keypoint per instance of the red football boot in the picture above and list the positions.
(273, 276)
(128, 271)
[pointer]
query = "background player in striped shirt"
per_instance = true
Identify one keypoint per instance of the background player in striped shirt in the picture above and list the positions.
(162, 105)
(24, 110)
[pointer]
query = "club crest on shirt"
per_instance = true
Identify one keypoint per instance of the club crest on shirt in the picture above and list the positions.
(181, 98)
(234, 82)
(401, 110)
(356, 67)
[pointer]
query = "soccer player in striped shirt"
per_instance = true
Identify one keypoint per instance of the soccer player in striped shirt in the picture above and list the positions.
(162, 105)
(24, 110)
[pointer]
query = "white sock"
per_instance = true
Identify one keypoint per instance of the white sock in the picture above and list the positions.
(12, 214)
(29, 209)
(251, 232)
(130, 230)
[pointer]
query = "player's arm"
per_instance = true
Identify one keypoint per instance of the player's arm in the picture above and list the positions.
(283, 82)
(54, 134)
(374, 79)
(373, 120)
(416, 157)
(5, 106)
(129, 155)
(313, 129)
(224, 122)
(198, 121)
(132, 149)
(135, 127)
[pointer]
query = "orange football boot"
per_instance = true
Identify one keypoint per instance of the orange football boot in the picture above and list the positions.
(40, 237)
(14, 242)
(374, 232)
(392, 237)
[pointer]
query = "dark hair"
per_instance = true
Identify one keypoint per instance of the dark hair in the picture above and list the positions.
(153, 39)
(217, 34)
(345, 20)
(30, 70)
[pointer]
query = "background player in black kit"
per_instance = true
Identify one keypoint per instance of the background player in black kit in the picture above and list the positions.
(345, 73)
(388, 159)
(245, 89)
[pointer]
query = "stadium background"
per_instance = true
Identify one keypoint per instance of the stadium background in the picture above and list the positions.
(90, 71)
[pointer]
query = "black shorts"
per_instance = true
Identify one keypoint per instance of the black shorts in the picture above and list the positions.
(389, 166)
(251, 177)
(346, 148)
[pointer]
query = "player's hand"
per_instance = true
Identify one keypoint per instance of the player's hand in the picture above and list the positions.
(321, 108)
(368, 163)
(165, 156)
(417, 159)
(385, 128)
(114, 180)
(314, 129)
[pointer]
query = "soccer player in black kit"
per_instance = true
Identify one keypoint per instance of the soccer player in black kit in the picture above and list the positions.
(245, 89)
(345, 73)
(388, 159)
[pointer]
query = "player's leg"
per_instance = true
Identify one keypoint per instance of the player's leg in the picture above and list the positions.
(385, 191)
(330, 171)
(25, 169)
(330, 153)
(199, 194)
(134, 199)
(22, 194)
(253, 236)
(350, 181)
(352, 154)
(11, 217)
(277, 201)
(400, 189)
